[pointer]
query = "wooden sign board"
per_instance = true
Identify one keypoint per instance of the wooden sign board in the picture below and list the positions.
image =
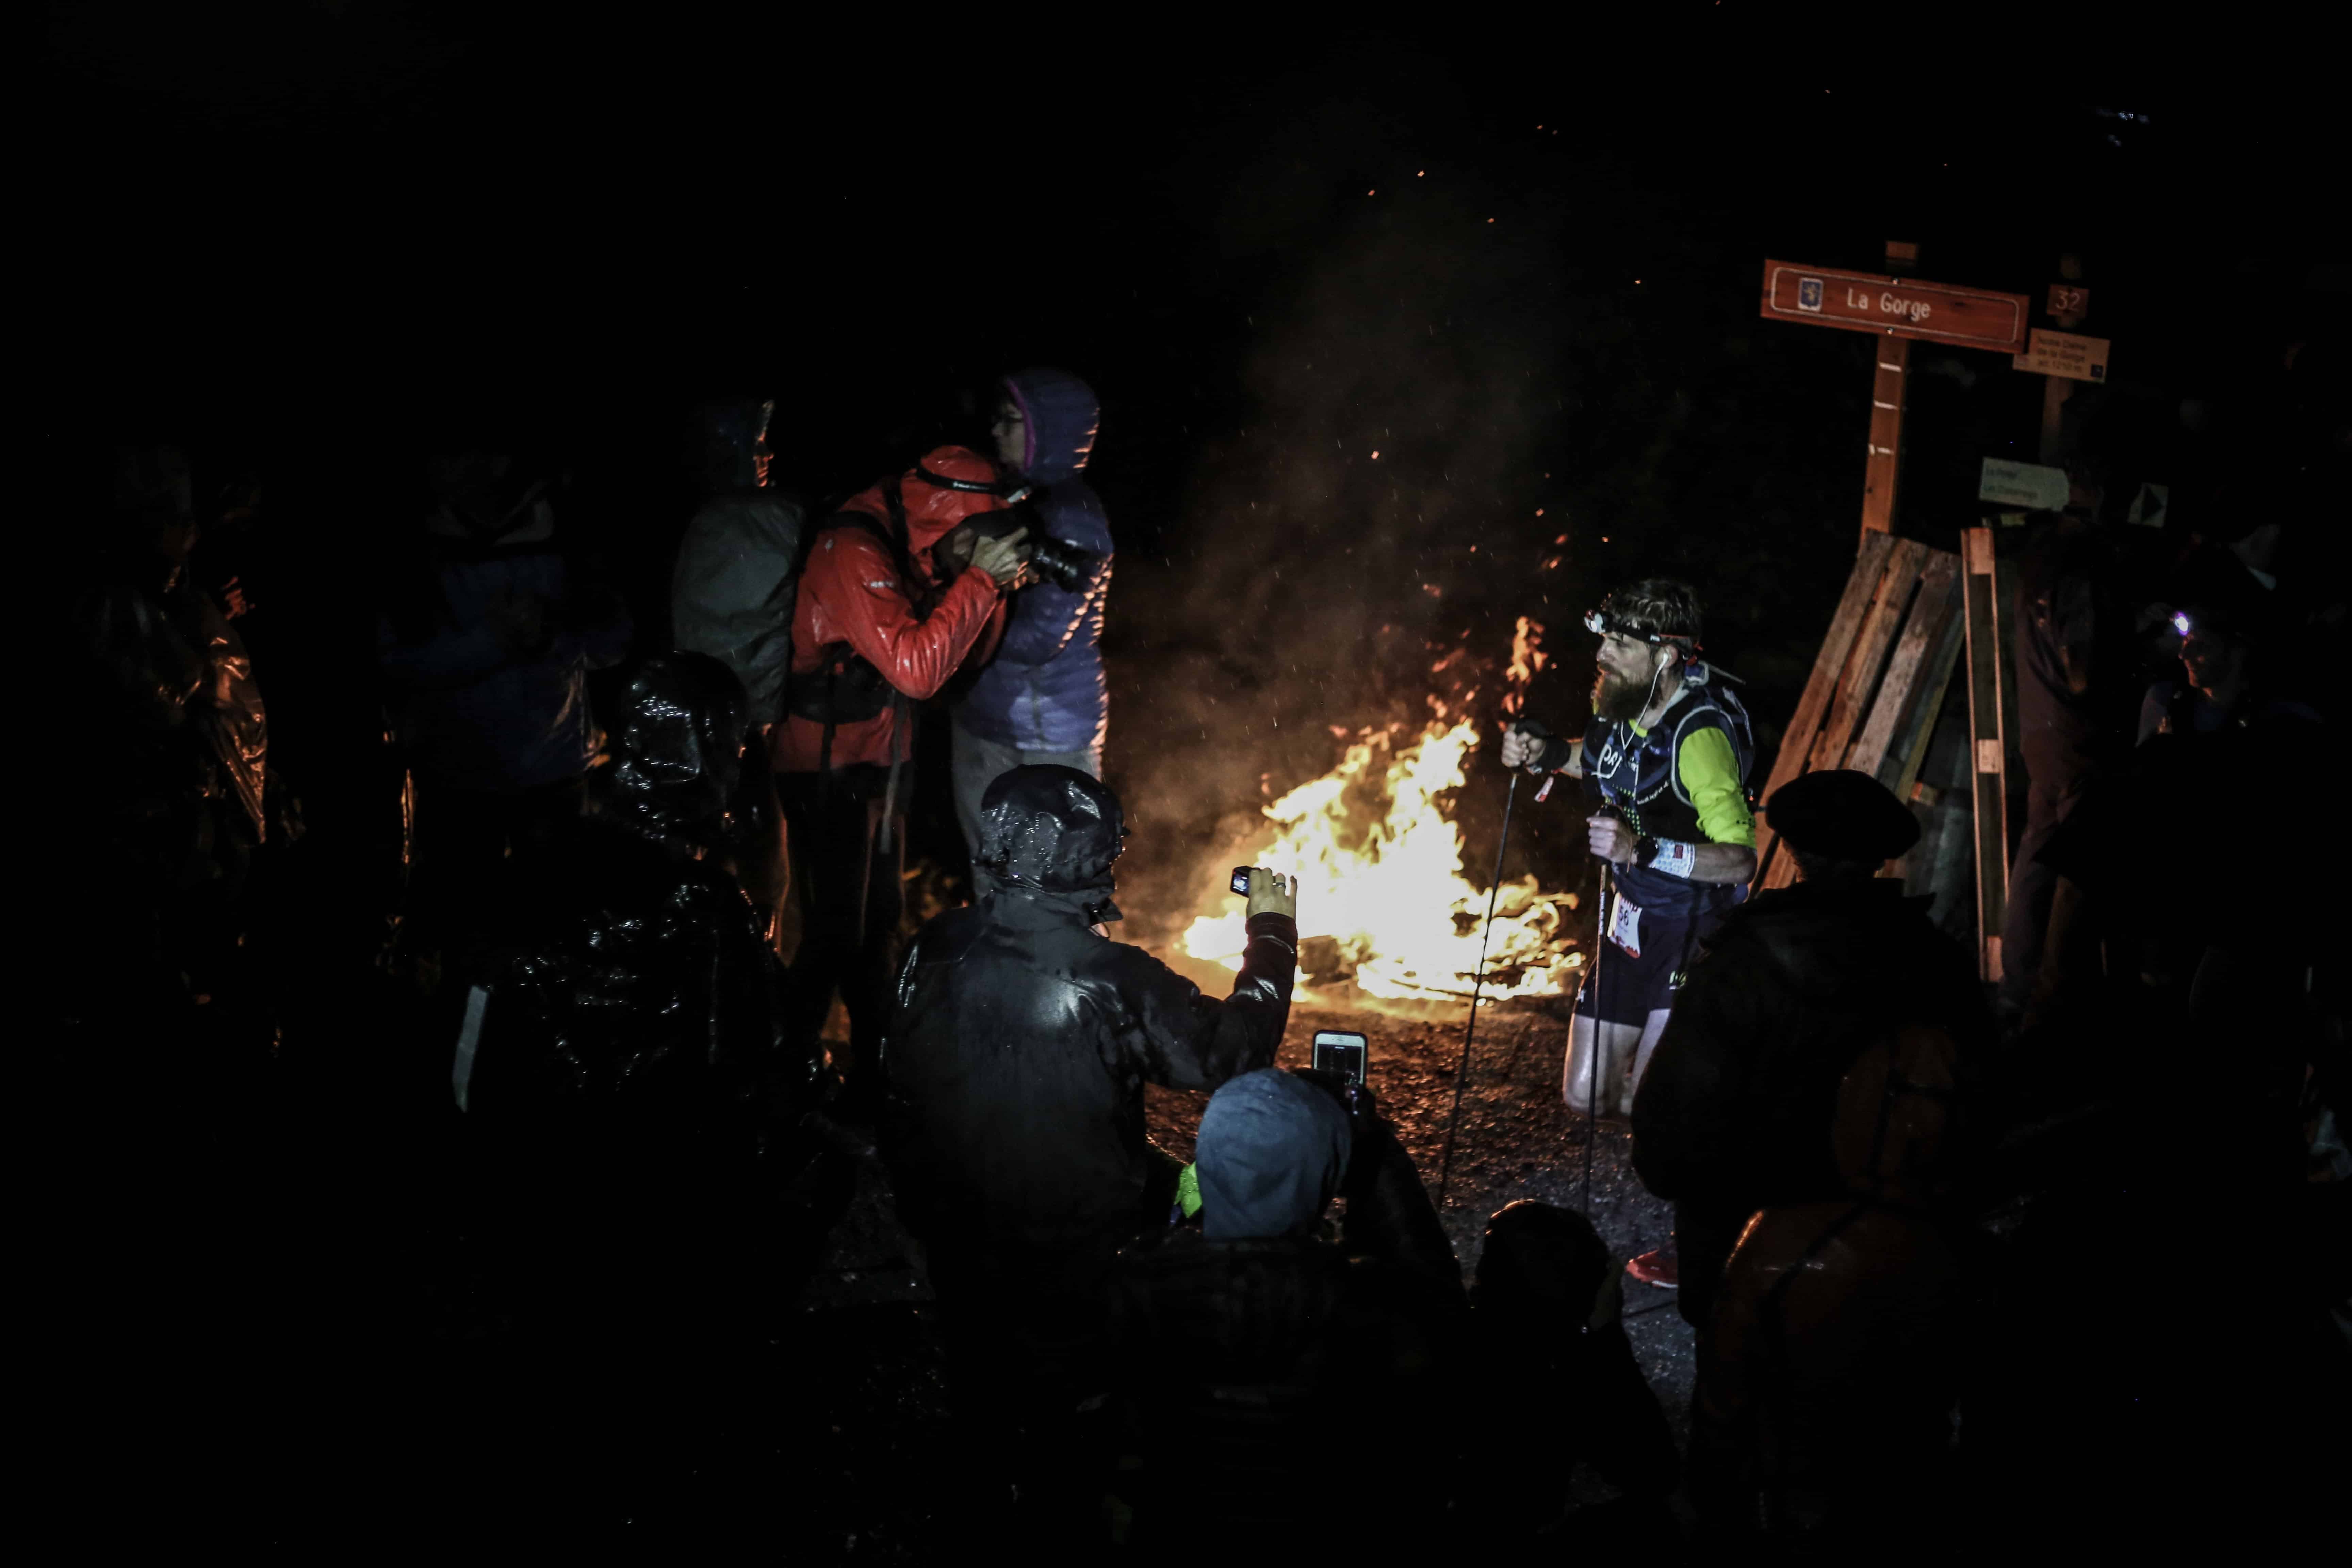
(1896, 306)
(2068, 354)
(2029, 485)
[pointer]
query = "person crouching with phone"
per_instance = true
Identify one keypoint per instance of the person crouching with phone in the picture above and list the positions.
(1269, 1370)
(1012, 1123)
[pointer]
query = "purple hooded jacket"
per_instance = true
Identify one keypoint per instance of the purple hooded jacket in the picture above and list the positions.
(1045, 690)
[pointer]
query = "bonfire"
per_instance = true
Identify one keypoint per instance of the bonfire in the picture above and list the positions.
(1385, 901)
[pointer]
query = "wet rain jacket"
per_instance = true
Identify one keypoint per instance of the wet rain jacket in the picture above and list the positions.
(1735, 1110)
(631, 983)
(471, 713)
(1044, 690)
(855, 601)
(732, 595)
(1023, 1038)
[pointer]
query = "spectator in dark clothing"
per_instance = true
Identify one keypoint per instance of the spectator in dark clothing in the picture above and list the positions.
(1260, 1361)
(1553, 1383)
(2077, 670)
(732, 597)
(629, 985)
(642, 1189)
(487, 647)
(1822, 1422)
(1043, 698)
(176, 733)
(1013, 1128)
(1734, 1114)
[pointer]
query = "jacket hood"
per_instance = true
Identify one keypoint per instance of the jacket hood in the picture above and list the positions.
(1059, 412)
(1271, 1152)
(677, 748)
(1050, 828)
(933, 508)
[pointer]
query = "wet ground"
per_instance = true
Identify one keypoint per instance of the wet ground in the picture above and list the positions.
(868, 1304)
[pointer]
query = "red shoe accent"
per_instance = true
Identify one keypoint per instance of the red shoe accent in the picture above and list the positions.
(1660, 1268)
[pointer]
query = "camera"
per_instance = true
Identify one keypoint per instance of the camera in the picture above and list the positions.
(1055, 561)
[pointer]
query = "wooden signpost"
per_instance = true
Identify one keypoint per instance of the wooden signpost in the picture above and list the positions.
(1908, 611)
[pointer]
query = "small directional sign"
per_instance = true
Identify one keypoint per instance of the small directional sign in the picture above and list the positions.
(2030, 485)
(1896, 306)
(2065, 353)
(2147, 507)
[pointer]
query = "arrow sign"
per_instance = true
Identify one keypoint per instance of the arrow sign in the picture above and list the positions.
(1896, 306)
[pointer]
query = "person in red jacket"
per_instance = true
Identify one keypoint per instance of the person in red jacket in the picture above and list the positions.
(901, 591)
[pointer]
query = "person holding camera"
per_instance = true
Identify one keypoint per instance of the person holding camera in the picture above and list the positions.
(1257, 1354)
(1014, 1129)
(1667, 752)
(903, 588)
(1043, 699)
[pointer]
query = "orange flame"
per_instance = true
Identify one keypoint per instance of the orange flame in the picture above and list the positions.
(1381, 872)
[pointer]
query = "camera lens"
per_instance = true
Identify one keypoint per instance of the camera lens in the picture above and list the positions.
(1062, 563)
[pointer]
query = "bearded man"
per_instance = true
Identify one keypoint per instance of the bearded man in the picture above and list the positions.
(1667, 757)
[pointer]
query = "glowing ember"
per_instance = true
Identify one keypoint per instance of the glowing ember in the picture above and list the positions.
(1383, 900)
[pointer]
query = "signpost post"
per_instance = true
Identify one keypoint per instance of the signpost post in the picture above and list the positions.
(1898, 311)
(1895, 311)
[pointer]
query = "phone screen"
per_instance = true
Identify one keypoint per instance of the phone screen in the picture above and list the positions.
(1349, 1055)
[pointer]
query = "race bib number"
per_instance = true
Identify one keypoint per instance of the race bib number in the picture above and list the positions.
(1625, 926)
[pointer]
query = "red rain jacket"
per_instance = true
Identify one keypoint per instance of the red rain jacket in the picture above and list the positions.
(851, 592)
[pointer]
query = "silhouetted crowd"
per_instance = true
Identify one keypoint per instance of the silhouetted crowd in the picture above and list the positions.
(434, 1147)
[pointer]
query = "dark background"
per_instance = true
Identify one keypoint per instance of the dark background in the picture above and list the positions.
(1520, 263)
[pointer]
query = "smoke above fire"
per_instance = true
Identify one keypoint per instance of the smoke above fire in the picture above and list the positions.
(1315, 675)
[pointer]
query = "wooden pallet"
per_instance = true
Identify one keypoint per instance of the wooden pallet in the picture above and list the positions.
(1879, 681)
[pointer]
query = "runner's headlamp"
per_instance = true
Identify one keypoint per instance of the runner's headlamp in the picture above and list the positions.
(1602, 624)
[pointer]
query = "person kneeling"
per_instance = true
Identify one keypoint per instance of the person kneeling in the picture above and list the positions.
(1259, 1361)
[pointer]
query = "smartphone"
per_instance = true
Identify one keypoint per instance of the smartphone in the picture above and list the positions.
(1241, 880)
(1344, 1054)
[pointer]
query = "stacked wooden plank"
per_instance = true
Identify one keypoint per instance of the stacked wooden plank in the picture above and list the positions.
(1879, 681)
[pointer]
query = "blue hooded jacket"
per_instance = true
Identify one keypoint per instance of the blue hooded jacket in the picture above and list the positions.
(1044, 690)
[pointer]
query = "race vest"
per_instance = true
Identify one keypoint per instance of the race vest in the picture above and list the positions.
(1637, 774)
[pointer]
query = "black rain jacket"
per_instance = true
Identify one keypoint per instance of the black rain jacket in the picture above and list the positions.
(1736, 1111)
(1022, 1036)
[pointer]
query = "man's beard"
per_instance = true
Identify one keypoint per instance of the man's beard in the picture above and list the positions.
(1617, 699)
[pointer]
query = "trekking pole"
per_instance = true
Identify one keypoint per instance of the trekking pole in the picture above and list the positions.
(1460, 1073)
(1592, 1059)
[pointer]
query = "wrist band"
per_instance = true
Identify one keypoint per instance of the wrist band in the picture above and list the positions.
(1673, 858)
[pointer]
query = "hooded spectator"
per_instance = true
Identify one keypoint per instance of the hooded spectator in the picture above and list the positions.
(901, 591)
(1552, 1383)
(732, 597)
(176, 724)
(629, 983)
(487, 649)
(1258, 1345)
(1015, 1127)
(1043, 699)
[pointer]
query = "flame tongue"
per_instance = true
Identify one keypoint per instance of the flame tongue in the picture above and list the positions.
(1380, 867)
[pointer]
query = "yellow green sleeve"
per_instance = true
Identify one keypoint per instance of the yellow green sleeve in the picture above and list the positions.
(1710, 771)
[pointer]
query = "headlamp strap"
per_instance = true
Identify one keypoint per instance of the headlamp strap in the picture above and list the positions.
(968, 487)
